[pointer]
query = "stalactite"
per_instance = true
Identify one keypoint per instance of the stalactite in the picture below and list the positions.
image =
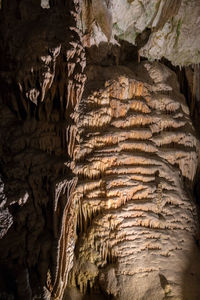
(65, 239)
(41, 93)
(195, 93)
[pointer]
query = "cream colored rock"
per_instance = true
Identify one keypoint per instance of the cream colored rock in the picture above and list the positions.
(178, 40)
(136, 219)
(174, 25)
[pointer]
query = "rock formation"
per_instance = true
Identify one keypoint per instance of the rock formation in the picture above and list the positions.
(136, 219)
(42, 81)
(168, 28)
(99, 177)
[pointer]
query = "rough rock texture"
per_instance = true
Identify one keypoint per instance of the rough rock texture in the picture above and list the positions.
(105, 187)
(136, 161)
(42, 62)
(167, 28)
(177, 39)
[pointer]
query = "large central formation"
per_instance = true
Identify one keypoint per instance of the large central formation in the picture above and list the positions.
(136, 160)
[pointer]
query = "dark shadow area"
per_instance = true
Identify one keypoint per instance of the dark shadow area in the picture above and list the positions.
(191, 275)
(108, 61)
(74, 294)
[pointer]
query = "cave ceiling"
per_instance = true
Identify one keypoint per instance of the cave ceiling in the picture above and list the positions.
(165, 28)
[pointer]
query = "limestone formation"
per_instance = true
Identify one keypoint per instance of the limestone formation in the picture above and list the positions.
(172, 25)
(99, 149)
(42, 82)
(136, 218)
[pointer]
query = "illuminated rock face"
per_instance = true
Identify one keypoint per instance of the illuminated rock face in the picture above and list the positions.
(136, 160)
(166, 27)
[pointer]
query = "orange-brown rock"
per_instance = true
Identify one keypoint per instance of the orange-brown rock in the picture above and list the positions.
(136, 162)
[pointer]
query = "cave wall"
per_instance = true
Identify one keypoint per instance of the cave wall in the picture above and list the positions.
(42, 63)
(66, 211)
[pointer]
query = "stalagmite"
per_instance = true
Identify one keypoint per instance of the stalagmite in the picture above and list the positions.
(127, 181)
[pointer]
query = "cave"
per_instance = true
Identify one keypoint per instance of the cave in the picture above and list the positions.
(100, 149)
